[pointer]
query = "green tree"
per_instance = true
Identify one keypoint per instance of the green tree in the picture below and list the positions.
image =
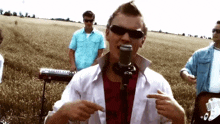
(7, 13)
(14, 14)
(26, 15)
(21, 15)
(1, 11)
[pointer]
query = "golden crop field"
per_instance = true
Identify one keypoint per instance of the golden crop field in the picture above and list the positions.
(32, 44)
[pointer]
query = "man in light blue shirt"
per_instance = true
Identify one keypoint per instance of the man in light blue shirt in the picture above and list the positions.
(87, 44)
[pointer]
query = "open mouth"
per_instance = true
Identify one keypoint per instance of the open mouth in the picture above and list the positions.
(118, 46)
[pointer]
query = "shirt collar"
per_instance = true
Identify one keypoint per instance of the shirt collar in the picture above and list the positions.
(93, 31)
(141, 62)
(217, 48)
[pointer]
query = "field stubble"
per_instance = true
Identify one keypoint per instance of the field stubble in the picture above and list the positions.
(36, 43)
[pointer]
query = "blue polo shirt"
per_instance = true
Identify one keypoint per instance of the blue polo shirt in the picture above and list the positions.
(86, 48)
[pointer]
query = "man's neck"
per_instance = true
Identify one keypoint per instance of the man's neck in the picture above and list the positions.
(88, 30)
(217, 45)
(112, 76)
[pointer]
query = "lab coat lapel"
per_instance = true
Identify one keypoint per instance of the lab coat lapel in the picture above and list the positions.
(140, 100)
(99, 98)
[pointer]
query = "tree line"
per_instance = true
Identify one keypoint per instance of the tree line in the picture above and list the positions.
(8, 13)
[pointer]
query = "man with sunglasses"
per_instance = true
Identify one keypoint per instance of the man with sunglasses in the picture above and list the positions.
(87, 44)
(203, 67)
(94, 94)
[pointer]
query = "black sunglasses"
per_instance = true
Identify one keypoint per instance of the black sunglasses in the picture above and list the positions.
(216, 30)
(121, 31)
(89, 20)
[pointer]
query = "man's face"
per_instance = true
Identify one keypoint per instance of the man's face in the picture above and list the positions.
(216, 33)
(116, 40)
(88, 21)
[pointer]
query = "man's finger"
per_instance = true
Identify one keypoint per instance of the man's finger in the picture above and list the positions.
(192, 76)
(163, 112)
(161, 107)
(157, 96)
(89, 110)
(192, 80)
(93, 105)
(84, 114)
(162, 102)
(160, 92)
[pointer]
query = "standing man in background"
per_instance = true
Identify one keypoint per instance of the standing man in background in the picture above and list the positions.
(87, 44)
(203, 68)
(1, 58)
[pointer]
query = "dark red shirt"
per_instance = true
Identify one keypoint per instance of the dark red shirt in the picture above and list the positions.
(113, 100)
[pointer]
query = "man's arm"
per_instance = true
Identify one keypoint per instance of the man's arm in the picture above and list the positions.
(188, 72)
(72, 60)
(72, 48)
(80, 110)
(100, 52)
(56, 118)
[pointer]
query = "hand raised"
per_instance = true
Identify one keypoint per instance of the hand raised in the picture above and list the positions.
(168, 107)
(80, 110)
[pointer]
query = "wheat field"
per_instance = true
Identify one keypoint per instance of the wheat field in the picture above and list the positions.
(32, 44)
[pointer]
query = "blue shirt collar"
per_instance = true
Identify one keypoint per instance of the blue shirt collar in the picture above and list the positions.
(93, 31)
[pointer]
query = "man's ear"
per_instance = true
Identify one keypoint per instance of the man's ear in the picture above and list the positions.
(143, 40)
(107, 34)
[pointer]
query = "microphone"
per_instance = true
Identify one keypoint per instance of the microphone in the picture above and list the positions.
(125, 55)
(124, 67)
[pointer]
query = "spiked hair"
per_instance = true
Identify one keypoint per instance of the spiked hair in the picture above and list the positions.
(129, 9)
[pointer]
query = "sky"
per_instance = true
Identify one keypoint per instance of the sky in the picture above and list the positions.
(195, 17)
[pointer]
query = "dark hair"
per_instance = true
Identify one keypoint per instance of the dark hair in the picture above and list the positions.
(89, 14)
(218, 22)
(129, 9)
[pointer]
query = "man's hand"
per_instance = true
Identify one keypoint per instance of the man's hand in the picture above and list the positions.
(80, 110)
(191, 78)
(73, 68)
(72, 60)
(169, 107)
(188, 77)
(95, 62)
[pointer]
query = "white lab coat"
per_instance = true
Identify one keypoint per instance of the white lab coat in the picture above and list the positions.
(87, 84)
